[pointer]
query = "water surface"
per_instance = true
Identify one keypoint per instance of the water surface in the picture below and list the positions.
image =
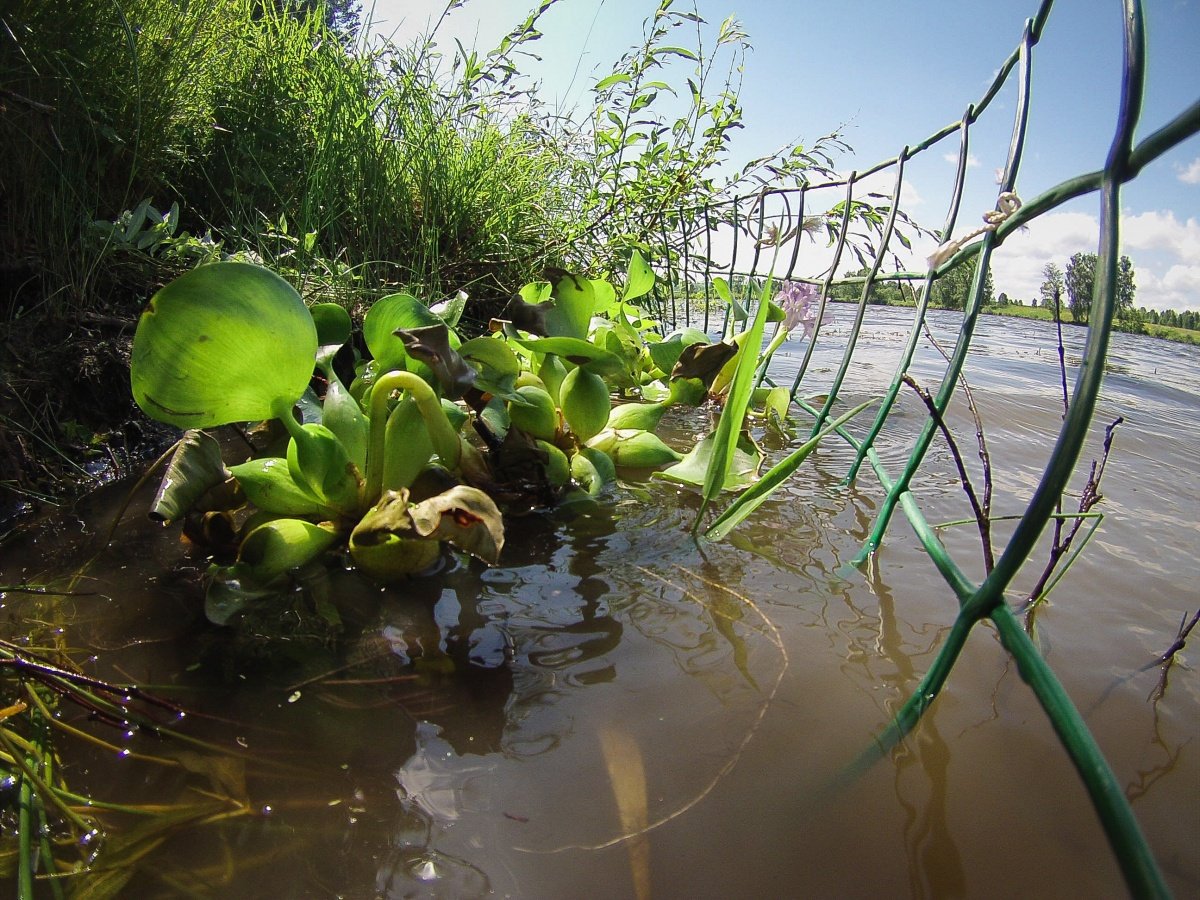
(615, 711)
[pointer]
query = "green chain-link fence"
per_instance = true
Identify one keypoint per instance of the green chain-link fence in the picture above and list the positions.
(767, 222)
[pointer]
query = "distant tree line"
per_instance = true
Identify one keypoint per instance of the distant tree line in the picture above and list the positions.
(1071, 290)
(950, 291)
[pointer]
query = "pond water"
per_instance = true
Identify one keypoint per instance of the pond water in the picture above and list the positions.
(617, 712)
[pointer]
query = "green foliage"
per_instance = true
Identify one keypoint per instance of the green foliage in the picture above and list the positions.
(882, 293)
(1080, 279)
(1052, 288)
(953, 288)
(231, 342)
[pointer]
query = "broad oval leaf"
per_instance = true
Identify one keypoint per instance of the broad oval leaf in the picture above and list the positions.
(384, 318)
(639, 280)
(227, 342)
(574, 306)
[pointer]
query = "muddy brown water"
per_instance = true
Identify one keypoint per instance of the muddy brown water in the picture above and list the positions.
(616, 712)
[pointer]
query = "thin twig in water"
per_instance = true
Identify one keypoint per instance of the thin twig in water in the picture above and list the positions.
(981, 515)
(985, 505)
(1088, 498)
(1168, 658)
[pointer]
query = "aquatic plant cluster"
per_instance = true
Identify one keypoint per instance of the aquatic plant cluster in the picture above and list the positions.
(384, 467)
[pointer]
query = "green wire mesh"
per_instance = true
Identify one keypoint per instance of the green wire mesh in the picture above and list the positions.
(686, 264)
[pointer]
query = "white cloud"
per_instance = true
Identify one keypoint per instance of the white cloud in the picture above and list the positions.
(972, 159)
(1165, 253)
(1191, 174)
(1161, 231)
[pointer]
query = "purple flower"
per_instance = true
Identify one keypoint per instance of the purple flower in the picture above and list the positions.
(800, 303)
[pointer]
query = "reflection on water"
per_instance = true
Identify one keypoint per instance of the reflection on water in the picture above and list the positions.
(618, 711)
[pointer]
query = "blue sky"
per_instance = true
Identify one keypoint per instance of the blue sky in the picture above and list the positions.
(892, 73)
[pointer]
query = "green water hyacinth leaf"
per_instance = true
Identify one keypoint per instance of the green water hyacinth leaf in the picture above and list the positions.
(601, 462)
(778, 473)
(195, 468)
(552, 371)
(227, 596)
(492, 357)
(686, 392)
(451, 310)
(604, 297)
(575, 350)
(342, 415)
(431, 345)
(634, 449)
(407, 443)
(574, 306)
(319, 461)
(333, 330)
(535, 293)
(666, 353)
(534, 412)
(641, 416)
(268, 484)
(585, 403)
(639, 279)
(693, 468)
(276, 547)
(387, 316)
(227, 342)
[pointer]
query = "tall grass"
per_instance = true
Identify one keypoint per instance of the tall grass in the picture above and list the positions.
(266, 128)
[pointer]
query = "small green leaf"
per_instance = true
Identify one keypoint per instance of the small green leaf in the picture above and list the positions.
(580, 352)
(276, 547)
(268, 484)
(639, 280)
(615, 78)
(342, 415)
(333, 330)
(693, 468)
(574, 306)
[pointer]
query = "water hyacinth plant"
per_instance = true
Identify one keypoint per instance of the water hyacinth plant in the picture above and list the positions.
(385, 468)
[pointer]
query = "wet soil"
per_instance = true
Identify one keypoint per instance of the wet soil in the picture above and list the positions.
(67, 418)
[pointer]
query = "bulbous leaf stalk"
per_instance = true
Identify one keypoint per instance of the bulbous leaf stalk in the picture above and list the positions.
(441, 433)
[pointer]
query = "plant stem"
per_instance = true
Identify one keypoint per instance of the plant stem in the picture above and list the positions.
(441, 433)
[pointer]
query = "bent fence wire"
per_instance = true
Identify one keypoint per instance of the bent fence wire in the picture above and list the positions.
(767, 221)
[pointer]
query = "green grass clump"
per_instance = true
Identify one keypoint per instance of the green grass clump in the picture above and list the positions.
(271, 130)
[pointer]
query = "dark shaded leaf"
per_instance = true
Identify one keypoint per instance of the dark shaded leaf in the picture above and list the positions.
(431, 345)
(703, 361)
(195, 468)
